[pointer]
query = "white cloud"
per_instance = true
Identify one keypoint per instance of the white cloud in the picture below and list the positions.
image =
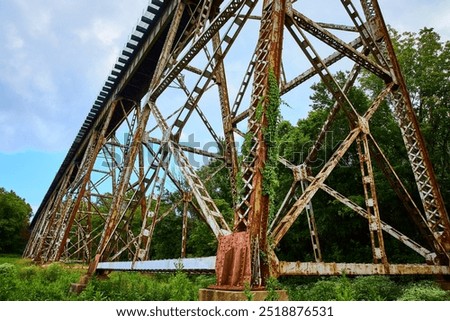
(55, 58)
(442, 21)
(101, 30)
(413, 15)
(37, 16)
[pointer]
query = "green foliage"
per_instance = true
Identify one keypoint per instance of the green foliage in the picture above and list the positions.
(14, 216)
(424, 291)
(248, 292)
(131, 286)
(182, 288)
(168, 229)
(201, 241)
(333, 289)
(365, 288)
(7, 269)
(323, 290)
(271, 137)
(375, 288)
(91, 293)
(126, 286)
(272, 285)
(8, 280)
(344, 290)
(26, 282)
(33, 283)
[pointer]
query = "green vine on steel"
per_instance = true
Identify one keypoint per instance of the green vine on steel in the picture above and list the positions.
(272, 116)
(271, 137)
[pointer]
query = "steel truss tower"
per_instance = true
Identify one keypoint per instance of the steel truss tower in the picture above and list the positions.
(207, 68)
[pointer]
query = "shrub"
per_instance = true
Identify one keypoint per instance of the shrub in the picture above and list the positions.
(203, 281)
(364, 288)
(181, 288)
(7, 269)
(424, 291)
(298, 292)
(28, 273)
(120, 286)
(333, 289)
(8, 281)
(375, 288)
(323, 290)
(51, 283)
(272, 286)
(344, 289)
(91, 294)
(127, 286)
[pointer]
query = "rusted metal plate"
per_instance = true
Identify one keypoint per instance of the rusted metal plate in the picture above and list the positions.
(233, 262)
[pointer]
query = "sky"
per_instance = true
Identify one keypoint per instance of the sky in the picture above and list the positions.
(55, 56)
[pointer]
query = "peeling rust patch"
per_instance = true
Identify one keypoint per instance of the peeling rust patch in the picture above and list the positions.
(322, 268)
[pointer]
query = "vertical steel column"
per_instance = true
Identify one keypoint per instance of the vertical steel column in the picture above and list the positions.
(34, 241)
(187, 198)
(117, 206)
(370, 195)
(433, 203)
(52, 216)
(230, 152)
(260, 77)
(271, 34)
(89, 238)
(313, 232)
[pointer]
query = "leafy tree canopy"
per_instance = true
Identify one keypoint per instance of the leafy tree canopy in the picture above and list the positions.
(14, 220)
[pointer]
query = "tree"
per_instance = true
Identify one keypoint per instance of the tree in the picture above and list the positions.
(425, 63)
(14, 220)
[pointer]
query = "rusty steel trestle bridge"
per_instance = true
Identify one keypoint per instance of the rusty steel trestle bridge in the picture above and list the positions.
(178, 73)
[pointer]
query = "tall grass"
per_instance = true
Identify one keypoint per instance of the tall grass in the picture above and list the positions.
(366, 288)
(33, 283)
(22, 281)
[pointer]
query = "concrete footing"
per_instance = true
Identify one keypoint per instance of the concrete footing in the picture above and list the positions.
(79, 287)
(444, 282)
(224, 295)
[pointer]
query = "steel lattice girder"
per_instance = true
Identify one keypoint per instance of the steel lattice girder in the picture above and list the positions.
(111, 192)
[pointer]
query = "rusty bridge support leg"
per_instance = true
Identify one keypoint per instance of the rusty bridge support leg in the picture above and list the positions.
(242, 258)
